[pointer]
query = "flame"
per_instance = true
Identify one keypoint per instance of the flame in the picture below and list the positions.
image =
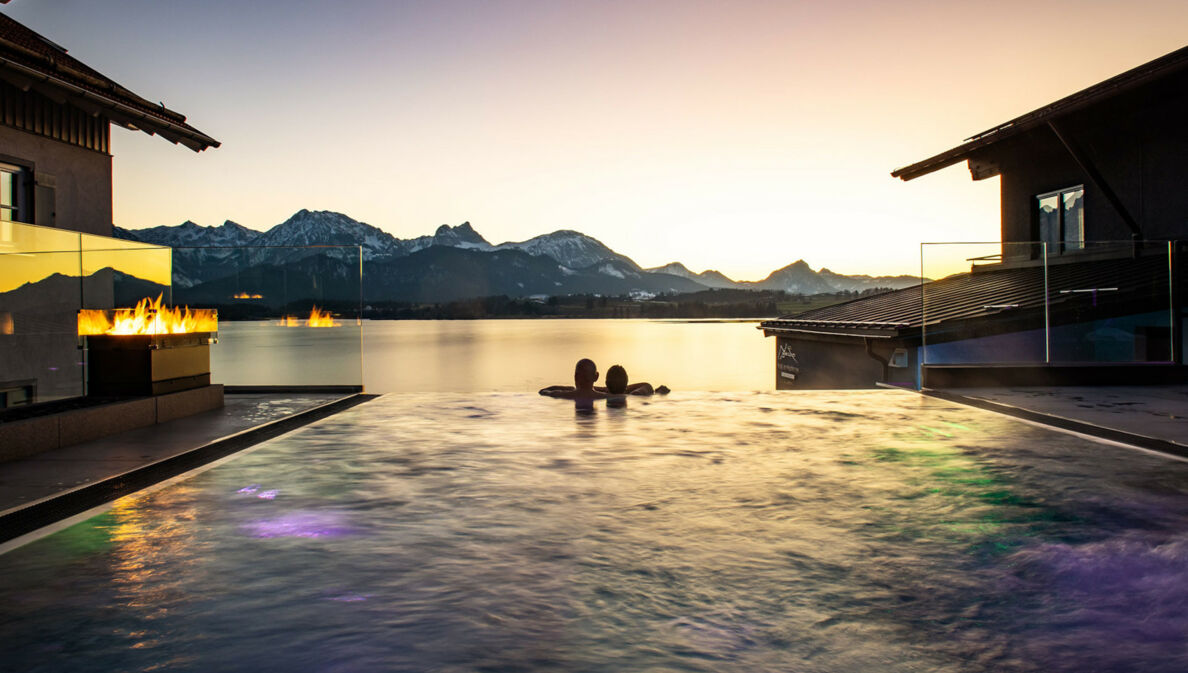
(148, 317)
(245, 295)
(318, 318)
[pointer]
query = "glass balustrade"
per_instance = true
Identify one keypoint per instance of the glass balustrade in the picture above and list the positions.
(287, 316)
(1032, 303)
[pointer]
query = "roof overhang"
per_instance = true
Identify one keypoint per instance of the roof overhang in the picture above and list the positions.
(1144, 74)
(96, 104)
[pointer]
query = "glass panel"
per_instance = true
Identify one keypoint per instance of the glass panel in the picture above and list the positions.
(1113, 303)
(120, 273)
(40, 294)
(7, 195)
(287, 315)
(1110, 303)
(985, 304)
(1073, 202)
(1049, 220)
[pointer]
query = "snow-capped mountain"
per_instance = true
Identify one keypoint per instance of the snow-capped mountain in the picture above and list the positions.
(563, 262)
(862, 282)
(572, 249)
(188, 233)
(199, 253)
(461, 236)
(796, 278)
(324, 227)
(710, 278)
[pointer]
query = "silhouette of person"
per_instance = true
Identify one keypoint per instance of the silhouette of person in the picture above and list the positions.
(616, 390)
(616, 383)
(583, 394)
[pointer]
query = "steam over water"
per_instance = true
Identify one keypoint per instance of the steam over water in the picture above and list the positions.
(835, 531)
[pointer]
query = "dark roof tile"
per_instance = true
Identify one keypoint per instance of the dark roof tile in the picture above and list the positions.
(28, 59)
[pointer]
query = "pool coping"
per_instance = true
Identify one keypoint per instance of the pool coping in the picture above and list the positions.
(30, 517)
(1111, 434)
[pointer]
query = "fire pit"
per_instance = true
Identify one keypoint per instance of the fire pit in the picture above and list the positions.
(147, 350)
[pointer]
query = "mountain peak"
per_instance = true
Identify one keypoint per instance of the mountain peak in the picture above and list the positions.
(461, 236)
(231, 225)
(572, 249)
(673, 269)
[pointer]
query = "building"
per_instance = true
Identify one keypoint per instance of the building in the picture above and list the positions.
(1087, 285)
(55, 165)
(56, 207)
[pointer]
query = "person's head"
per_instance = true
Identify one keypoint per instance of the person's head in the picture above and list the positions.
(585, 373)
(616, 380)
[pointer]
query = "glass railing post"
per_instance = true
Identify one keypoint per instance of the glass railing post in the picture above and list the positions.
(1047, 307)
(1172, 300)
(923, 317)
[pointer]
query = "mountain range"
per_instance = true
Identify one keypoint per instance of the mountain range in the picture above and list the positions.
(452, 263)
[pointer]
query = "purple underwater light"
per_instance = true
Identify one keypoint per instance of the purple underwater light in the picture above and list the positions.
(300, 524)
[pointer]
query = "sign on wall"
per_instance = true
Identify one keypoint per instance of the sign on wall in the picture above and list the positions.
(787, 364)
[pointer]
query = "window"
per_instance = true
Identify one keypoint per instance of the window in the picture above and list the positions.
(14, 194)
(1062, 219)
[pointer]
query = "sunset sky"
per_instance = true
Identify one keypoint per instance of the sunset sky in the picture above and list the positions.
(737, 135)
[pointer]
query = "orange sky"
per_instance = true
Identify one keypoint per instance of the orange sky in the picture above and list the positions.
(732, 135)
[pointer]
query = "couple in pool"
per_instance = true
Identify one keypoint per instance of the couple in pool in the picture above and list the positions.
(583, 392)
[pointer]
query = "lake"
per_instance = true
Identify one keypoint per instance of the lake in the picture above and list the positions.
(493, 355)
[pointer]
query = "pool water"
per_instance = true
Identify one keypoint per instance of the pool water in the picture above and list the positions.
(823, 531)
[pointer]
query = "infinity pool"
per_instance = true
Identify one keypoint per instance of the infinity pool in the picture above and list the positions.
(823, 531)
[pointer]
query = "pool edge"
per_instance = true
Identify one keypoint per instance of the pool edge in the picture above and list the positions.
(33, 516)
(1162, 446)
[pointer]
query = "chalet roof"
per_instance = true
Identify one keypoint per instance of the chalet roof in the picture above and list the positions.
(1131, 79)
(1000, 296)
(30, 61)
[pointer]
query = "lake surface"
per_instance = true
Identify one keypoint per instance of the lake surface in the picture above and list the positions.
(494, 355)
(705, 532)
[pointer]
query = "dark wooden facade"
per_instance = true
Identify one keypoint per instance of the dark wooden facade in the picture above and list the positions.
(1109, 304)
(1132, 145)
(36, 113)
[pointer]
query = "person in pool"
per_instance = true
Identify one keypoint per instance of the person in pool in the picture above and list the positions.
(583, 394)
(616, 384)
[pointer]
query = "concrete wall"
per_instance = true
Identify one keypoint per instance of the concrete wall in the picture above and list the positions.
(80, 178)
(28, 437)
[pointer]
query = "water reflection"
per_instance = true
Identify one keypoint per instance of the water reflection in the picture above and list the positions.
(701, 532)
(493, 355)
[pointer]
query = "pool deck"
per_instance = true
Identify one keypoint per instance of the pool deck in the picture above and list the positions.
(55, 484)
(1150, 417)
